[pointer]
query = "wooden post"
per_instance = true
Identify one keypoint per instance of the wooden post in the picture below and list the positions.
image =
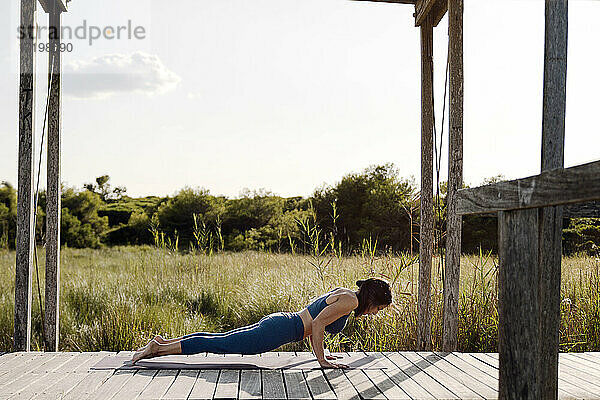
(426, 231)
(518, 305)
(51, 312)
(553, 142)
(455, 176)
(25, 227)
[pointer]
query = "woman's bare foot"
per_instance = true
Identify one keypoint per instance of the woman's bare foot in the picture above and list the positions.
(150, 350)
(159, 339)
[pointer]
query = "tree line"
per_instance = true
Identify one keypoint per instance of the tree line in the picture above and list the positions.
(374, 208)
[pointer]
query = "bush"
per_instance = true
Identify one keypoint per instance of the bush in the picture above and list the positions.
(369, 204)
(176, 215)
(479, 232)
(80, 224)
(136, 232)
(8, 215)
(582, 235)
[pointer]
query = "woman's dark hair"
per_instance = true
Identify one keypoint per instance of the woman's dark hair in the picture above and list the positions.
(372, 292)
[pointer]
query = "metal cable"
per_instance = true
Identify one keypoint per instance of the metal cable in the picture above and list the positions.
(438, 157)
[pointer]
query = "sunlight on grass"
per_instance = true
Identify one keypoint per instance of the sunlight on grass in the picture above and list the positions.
(117, 298)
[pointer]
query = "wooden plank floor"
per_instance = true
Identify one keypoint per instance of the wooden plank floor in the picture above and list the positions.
(408, 375)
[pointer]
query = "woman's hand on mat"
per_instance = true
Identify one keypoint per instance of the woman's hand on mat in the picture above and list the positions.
(327, 364)
(330, 357)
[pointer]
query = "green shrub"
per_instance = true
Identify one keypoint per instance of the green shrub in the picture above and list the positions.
(582, 235)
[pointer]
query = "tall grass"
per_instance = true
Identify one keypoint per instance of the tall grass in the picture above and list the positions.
(580, 305)
(117, 298)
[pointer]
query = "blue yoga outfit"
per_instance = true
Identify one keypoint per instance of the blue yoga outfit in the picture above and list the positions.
(269, 333)
(318, 305)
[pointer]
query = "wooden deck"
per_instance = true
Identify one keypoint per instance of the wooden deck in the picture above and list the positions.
(409, 375)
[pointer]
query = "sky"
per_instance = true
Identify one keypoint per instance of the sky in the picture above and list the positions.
(290, 95)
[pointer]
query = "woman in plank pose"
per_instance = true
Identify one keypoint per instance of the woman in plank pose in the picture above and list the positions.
(328, 312)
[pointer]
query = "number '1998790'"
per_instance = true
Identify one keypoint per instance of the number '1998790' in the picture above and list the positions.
(46, 47)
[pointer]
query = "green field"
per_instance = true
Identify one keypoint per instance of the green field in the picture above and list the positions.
(117, 298)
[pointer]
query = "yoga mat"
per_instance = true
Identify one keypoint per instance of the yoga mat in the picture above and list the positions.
(288, 361)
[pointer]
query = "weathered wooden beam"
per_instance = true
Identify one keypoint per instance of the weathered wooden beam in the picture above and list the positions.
(437, 8)
(555, 84)
(25, 200)
(426, 231)
(553, 149)
(577, 184)
(582, 210)
(518, 305)
(50, 5)
(455, 176)
(51, 317)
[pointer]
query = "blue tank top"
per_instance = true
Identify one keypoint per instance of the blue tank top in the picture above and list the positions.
(318, 305)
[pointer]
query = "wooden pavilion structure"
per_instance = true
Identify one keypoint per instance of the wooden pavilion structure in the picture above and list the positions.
(529, 210)
(26, 191)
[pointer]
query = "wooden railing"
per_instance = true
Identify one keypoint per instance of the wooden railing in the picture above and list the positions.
(578, 184)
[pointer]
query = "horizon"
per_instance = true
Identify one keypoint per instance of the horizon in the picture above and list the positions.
(243, 191)
(288, 96)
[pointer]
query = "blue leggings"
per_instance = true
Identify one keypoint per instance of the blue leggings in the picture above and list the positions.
(267, 334)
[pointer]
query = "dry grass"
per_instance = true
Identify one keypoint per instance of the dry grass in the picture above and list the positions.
(117, 298)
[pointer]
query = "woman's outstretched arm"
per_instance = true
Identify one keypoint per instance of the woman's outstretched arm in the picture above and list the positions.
(335, 310)
(317, 343)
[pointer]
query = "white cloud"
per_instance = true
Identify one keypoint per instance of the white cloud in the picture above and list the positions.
(111, 74)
